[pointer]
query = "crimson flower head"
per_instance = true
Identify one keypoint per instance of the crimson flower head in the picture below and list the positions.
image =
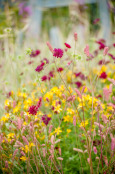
(46, 119)
(78, 84)
(67, 45)
(103, 75)
(33, 110)
(40, 67)
(57, 52)
(44, 78)
(60, 69)
(35, 53)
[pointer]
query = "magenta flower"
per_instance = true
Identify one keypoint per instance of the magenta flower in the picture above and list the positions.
(103, 75)
(39, 68)
(67, 45)
(35, 53)
(79, 84)
(101, 43)
(59, 69)
(57, 52)
(113, 57)
(44, 78)
(46, 119)
(51, 74)
(33, 110)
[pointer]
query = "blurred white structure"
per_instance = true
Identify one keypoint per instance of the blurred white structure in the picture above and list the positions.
(39, 5)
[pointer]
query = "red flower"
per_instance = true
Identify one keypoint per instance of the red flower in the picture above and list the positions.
(67, 45)
(51, 74)
(101, 43)
(60, 69)
(113, 57)
(103, 75)
(114, 44)
(33, 110)
(40, 67)
(57, 52)
(46, 119)
(79, 84)
(35, 53)
(44, 78)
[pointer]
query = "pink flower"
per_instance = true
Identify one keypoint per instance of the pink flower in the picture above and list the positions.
(86, 51)
(113, 144)
(33, 110)
(95, 150)
(49, 46)
(25, 140)
(74, 120)
(105, 51)
(78, 93)
(39, 103)
(67, 45)
(6, 164)
(57, 52)
(75, 36)
(103, 75)
(107, 92)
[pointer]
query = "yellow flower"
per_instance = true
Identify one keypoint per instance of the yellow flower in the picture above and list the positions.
(70, 111)
(58, 108)
(23, 158)
(31, 145)
(83, 124)
(67, 118)
(58, 130)
(10, 135)
(68, 130)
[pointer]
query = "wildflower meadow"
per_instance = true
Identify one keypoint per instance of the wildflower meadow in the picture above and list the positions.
(57, 108)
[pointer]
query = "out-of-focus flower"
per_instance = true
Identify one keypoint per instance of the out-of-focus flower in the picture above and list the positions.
(103, 75)
(33, 110)
(75, 36)
(79, 84)
(35, 53)
(95, 150)
(46, 119)
(113, 57)
(60, 69)
(86, 51)
(40, 67)
(101, 43)
(23, 9)
(57, 52)
(49, 46)
(44, 78)
(67, 45)
(96, 21)
(105, 51)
